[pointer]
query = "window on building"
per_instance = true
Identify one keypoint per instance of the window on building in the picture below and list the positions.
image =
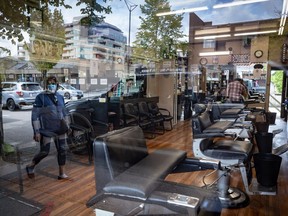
(209, 43)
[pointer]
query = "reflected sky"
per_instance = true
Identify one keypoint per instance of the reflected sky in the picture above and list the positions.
(269, 9)
(249, 12)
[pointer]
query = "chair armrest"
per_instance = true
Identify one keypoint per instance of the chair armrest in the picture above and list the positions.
(146, 114)
(165, 110)
(130, 116)
(197, 164)
(208, 135)
(79, 127)
(100, 122)
(128, 119)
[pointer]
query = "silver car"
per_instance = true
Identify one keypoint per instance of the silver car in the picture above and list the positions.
(18, 94)
(69, 91)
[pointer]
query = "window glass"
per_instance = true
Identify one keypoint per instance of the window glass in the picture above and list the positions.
(209, 43)
(172, 50)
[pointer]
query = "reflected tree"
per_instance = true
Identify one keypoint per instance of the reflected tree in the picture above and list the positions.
(15, 15)
(47, 39)
(158, 36)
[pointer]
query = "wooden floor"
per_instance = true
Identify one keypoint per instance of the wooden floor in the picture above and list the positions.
(69, 197)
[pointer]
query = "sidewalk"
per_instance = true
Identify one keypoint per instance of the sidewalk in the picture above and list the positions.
(6, 167)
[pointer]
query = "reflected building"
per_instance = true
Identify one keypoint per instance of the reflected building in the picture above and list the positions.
(94, 55)
(18, 69)
(224, 52)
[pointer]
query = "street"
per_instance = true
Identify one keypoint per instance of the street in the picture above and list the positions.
(17, 127)
(17, 124)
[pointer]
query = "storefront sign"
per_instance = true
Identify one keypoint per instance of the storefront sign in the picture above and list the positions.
(240, 58)
(45, 50)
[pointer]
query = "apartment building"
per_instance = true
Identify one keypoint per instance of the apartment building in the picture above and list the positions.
(97, 52)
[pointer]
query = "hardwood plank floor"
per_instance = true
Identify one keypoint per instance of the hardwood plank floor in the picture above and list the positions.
(70, 197)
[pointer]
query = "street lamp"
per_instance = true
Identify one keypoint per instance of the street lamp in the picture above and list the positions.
(130, 7)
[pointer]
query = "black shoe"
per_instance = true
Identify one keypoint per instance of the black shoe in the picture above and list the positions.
(30, 171)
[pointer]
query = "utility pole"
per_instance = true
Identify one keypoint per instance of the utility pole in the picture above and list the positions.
(1, 114)
(130, 7)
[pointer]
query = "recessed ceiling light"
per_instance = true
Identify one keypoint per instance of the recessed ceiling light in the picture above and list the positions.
(216, 53)
(237, 3)
(188, 10)
(255, 33)
(212, 37)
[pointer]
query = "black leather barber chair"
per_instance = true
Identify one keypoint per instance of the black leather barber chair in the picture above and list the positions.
(130, 181)
(233, 155)
(220, 110)
(212, 141)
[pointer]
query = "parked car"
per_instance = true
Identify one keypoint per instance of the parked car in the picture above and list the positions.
(69, 91)
(18, 94)
(254, 87)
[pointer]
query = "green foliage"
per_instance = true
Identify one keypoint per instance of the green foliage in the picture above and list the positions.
(4, 51)
(48, 23)
(277, 79)
(7, 148)
(15, 15)
(158, 36)
(92, 7)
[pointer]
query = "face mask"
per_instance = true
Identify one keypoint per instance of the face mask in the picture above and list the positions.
(52, 87)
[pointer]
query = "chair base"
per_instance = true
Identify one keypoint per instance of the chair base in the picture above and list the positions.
(230, 197)
(233, 198)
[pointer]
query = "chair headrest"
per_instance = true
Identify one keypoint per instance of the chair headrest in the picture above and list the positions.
(199, 108)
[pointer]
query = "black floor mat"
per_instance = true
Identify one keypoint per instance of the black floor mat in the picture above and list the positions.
(12, 204)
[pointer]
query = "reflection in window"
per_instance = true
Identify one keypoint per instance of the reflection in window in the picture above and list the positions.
(209, 43)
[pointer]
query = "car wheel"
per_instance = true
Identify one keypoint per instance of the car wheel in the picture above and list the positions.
(11, 105)
(67, 95)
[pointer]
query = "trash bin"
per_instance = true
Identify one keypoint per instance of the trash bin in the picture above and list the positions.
(267, 167)
(271, 117)
(264, 141)
(262, 126)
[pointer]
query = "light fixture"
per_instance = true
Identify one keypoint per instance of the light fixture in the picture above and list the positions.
(216, 53)
(283, 20)
(283, 17)
(280, 31)
(212, 37)
(255, 33)
(237, 3)
(189, 10)
(212, 31)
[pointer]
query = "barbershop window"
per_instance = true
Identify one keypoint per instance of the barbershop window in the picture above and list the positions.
(128, 55)
(135, 54)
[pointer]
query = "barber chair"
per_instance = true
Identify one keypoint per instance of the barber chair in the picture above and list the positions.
(225, 110)
(131, 181)
(232, 154)
(234, 150)
(218, 140)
